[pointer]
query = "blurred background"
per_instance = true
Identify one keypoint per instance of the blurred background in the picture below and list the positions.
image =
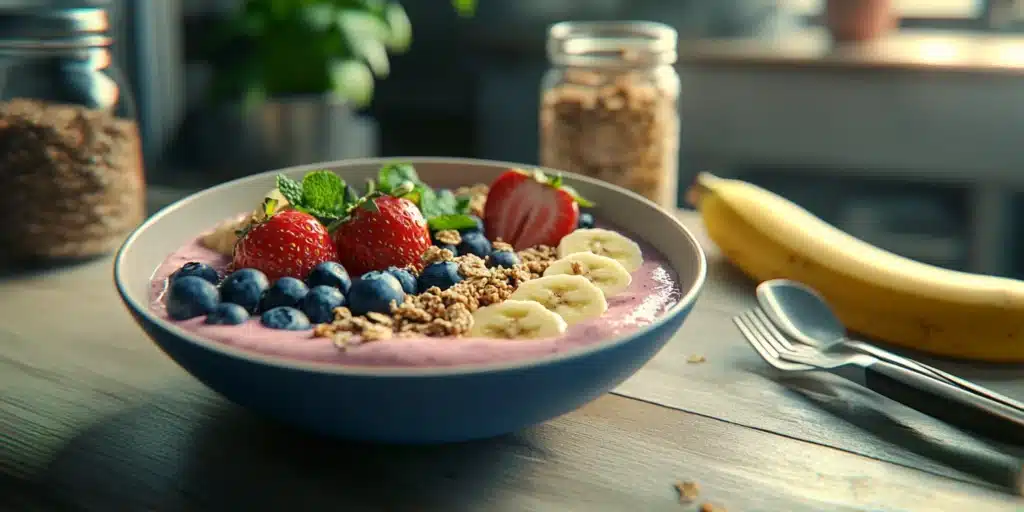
(910, 140)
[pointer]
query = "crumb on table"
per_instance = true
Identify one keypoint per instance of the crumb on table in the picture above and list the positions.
(711, 507)
(696, 358)
(687, 491)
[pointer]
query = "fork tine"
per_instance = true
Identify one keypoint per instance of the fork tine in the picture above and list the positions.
(773, 332)
(778, 340)
(756, 340)
(755, 325)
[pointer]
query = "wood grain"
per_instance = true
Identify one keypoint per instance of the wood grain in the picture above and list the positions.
(94, 417)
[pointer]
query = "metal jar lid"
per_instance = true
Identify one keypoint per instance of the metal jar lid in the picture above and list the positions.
(54, 24)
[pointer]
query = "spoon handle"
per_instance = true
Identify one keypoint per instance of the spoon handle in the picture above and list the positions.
(885, 355)
(946, 402)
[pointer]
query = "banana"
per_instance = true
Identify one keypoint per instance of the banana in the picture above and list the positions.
(874, 292)
(604, 242)
(607, 274)
(574, 298)
(516, 319)
(223, 237)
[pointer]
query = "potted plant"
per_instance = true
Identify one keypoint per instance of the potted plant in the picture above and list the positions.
(290, 75)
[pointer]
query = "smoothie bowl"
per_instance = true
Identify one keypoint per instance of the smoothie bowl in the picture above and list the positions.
(419, 300)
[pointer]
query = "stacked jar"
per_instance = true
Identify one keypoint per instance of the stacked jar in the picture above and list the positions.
(609, 105)
(70, 154)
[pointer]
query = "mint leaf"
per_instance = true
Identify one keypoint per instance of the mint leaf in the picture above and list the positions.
(393, 175)
(290, 189)
(451, 221)
(323, 191)
(462, 204)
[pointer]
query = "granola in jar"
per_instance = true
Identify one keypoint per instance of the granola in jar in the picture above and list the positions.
(609, 106)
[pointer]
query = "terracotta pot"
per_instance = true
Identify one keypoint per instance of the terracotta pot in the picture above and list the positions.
(859, 20)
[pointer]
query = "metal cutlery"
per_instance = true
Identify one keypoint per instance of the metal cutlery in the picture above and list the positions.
(919, 391)
(803, 314)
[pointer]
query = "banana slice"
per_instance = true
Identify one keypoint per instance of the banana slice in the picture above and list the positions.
(603, 242)
(223, 237)
(574, 298)
(516, 320)
(607, 274)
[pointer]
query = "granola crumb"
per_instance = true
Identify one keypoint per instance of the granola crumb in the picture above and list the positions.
(500, 245)
(711, 507)
(537, 259)
(434, 254)
(448, 236)
(687, 491)
(696, 359)
(477, 198)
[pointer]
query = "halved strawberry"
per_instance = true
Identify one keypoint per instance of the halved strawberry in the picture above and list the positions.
(287, 243)
(530, 208)
(389, 232)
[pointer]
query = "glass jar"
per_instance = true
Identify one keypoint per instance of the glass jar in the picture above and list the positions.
(70, 155)
(609, 105)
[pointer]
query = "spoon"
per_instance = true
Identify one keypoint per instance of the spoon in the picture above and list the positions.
(803, 314)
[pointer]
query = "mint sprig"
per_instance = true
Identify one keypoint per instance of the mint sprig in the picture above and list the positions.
(442, 209)
(321, 194)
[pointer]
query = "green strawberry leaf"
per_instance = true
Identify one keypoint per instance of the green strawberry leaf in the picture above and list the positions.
(451, 221)
(580, 200)
(290, 189)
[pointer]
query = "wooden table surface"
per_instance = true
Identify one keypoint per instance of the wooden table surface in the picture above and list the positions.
(94, 417)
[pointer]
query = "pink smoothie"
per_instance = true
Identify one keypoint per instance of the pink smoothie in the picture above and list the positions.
(654, 289)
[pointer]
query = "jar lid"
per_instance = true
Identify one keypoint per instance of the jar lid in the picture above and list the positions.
(69, 22)
(597, 43)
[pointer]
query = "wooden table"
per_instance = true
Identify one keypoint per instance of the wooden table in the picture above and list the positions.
(94, 417)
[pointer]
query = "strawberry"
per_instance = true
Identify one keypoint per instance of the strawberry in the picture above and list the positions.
(527, 209)
(381, 232)
(287, 243)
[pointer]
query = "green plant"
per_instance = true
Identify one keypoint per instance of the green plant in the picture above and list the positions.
(274, 48)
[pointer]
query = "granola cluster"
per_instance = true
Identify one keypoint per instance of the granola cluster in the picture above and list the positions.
(436, 312)
(477, 197)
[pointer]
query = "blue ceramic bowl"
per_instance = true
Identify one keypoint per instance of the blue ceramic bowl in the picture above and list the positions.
(406, 405)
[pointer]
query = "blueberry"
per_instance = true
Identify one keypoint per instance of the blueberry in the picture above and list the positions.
(195, 268)
(286, 291)
(450, 247)
(330, 273)
(227, 313)
(374, 291)
(442, 274)
(286, 318)
(191, 296)
(320, 302)
(586, 221)
(507, 259)
(405, 278)
(244, 287)
(475, 243)
(479, 228)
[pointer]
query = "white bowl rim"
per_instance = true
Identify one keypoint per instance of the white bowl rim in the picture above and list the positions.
(684, 303)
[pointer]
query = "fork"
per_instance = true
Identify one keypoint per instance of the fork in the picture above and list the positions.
(918, 391)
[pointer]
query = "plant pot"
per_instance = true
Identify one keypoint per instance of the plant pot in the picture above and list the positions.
(859, 20)
(281, 132)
